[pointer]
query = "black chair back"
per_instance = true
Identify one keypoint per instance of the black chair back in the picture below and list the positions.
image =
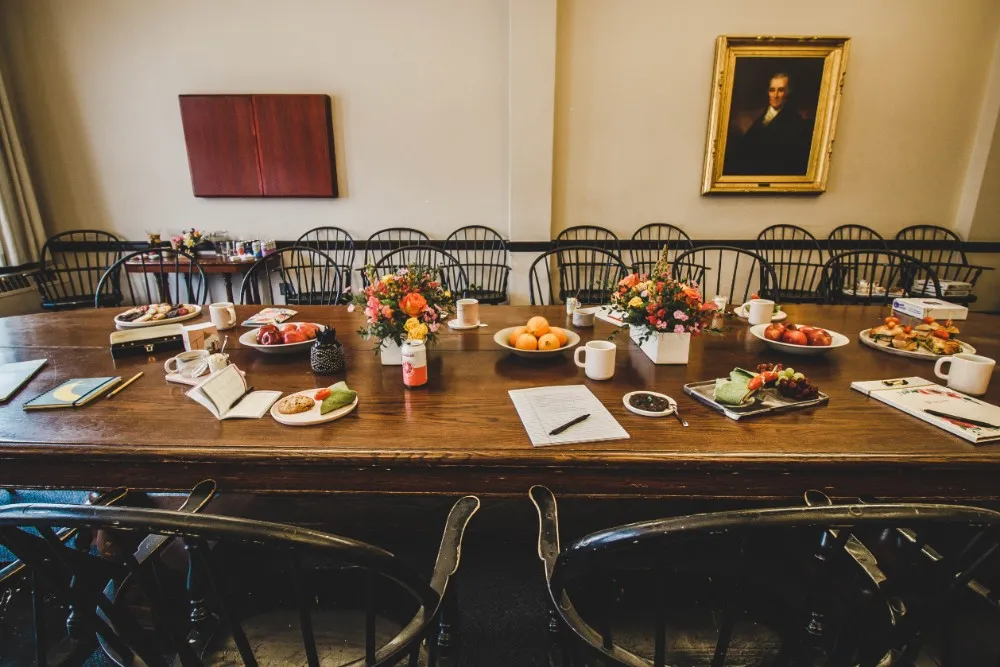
(384, 241)
(303, 276)
(442, 262)
(834, 585)
(256, 577)
(590, 235)
(876, 277)
(654, 237)
(336, 243)
(854, 237)
(71, 266)
(797, 260)
(727, 271)
(484, 256)
(586, 273)
(941, 249)
(151, 276)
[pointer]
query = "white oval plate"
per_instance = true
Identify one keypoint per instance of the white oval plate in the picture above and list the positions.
(500, 338)
(195, 312)
(312, 415)
(920, 352)
(839, 340)
(743, 313)
(646, 413)
(249, 339)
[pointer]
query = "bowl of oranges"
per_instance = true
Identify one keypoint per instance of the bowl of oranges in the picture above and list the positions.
(536, 339)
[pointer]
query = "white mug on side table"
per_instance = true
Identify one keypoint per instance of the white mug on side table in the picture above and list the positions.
(761, 311)
(968, 373)
(188, 364)
(223, 315)
(599, 363)
(467, 312)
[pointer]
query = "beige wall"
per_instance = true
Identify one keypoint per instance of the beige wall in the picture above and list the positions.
(419, 89)
(986, 221)
(632, 99)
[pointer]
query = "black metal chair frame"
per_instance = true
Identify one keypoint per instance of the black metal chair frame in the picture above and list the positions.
(857, 236)
(388, 240)
(335, 242)
(797, 259)
(656, 235)
(71, 266)
(484, 256)
(309, 277)
(589, 235)
(165, 266)
(941, 249)
(450, 270)
(688, 268)
(587, 273)
(90, 582)
(898, 271)
(653, 546)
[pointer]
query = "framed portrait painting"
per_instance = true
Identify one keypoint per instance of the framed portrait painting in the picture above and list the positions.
(774, 113)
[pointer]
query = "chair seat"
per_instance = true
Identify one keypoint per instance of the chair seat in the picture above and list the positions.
(81, 301)
(313, 299)
(486, 296)
(587, 296)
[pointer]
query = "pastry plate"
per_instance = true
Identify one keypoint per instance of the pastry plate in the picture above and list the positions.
(646, 413)
(312, 415)
(919, 353)
(249, 339)
(766, 401)
(195, 312)
(743, 312)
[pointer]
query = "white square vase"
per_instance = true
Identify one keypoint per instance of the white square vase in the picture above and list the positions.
(662, 347)
(391, 353)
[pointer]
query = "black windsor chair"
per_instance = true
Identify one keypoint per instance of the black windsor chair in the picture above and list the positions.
(335, 242)
(854, 237)
(727, 271)
(484, 256)
(160, 275)
(654, 237)
(941, 249)
(797, 260)
(304, 276)
(384, 241)
(838, 586)
(260, 586)
(875, 277)
(71, 266)
(447, 267)
(589, 235)
(586, 273)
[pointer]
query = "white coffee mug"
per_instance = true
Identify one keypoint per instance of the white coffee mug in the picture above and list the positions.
(223, 315)
(600, 359)
(467, 312)
(760, 311)
(188, 364)
(968, 373)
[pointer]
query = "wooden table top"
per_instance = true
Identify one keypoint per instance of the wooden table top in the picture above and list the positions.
(462, 434)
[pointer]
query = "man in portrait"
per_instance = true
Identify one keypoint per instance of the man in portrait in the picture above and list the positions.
(777, 142)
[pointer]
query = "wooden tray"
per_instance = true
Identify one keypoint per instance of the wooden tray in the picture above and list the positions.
(765, 402)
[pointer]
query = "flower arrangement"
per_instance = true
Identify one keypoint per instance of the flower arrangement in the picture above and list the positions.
(656, 303)
(188, 239)
(406, 305)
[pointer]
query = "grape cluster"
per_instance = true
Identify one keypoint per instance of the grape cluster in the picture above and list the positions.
(791, 384)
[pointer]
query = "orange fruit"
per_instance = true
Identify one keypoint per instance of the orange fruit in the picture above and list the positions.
(515, 334)
(560, 334)
(548, 342)
(526, 342)
(538, 326)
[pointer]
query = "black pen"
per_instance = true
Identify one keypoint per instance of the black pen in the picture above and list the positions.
(974, 422)
(245, 394)
(560, 429)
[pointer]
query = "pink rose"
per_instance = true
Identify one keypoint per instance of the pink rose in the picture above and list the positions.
(679, 328)
(433, 327)
(680, 315)
(386, 311)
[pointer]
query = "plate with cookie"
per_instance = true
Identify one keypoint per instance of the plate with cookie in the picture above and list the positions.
(156, 314)
(315, 406)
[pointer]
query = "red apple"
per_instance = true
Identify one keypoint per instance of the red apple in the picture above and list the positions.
(794, 337)
(774, 331)
(820, 338)
(806, 330)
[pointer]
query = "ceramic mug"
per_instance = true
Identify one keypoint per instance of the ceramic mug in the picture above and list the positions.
(572, 303)
(760, 311)
(599, 363)
(467, 312)
(188, 364)
(223, 315)
(968, 373)
(584, 317)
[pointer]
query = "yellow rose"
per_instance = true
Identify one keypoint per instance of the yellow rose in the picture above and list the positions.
(418, 332)
(447, 294)
(636, 302)
(411, 324)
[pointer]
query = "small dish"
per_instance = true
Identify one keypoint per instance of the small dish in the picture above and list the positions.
(453, 324)
(312, 415)
(648, 413)
(741, 312)
(584, 317)
(838, 340)
(249, 339)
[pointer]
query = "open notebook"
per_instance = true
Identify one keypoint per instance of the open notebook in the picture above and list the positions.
(224, 395)
(543, 409)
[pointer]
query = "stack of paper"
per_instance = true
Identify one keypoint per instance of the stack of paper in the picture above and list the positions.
(544, 409)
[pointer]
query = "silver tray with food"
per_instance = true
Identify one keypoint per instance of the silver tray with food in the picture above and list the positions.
(773, 388)
(928, 340)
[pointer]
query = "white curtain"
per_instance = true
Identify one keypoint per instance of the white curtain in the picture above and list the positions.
(21, 232)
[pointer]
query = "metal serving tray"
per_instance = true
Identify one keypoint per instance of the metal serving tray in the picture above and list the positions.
(765, 402)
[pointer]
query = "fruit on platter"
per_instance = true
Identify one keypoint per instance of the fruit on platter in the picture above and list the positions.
(286, 334)
(537, 334)
(795, 334)
(787, 381)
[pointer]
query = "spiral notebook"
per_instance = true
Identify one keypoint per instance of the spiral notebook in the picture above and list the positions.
(544, 409)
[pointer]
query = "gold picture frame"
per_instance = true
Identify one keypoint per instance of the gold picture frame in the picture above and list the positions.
(775, 102)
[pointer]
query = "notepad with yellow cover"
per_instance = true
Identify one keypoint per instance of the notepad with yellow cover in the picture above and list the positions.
(72, 393)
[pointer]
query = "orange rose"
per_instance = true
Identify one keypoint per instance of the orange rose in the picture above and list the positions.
(413, 304)
(630, 280)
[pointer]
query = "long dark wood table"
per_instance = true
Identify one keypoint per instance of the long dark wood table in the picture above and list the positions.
(461, 434)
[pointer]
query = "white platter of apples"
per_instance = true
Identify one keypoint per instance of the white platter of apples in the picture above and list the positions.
(798, 338)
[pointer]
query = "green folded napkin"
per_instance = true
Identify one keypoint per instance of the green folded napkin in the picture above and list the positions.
(733, 391)
(339, 396)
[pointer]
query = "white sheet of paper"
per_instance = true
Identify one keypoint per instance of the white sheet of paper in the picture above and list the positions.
(543, 409)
